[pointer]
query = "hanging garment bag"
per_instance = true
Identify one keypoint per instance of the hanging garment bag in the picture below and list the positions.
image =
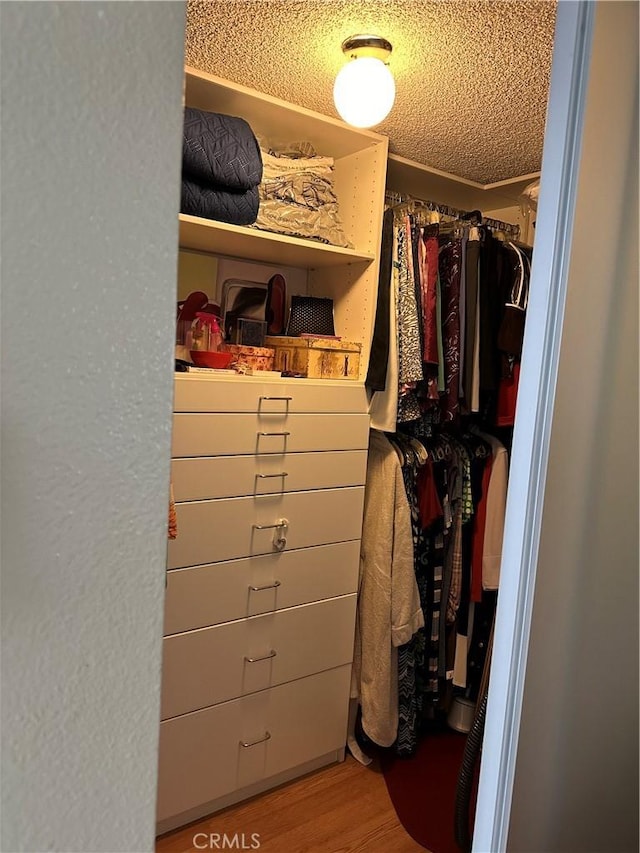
(511, 331)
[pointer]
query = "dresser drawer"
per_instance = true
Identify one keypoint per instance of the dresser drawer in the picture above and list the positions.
(206, 477)
(237, 434)
(209, 531)
(234, 589)
(195, 393)
(211, 665)
(201, 754)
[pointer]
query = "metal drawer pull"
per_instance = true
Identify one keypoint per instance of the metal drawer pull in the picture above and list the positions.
(287, 399)
(271, 654)
(280, 535)
(275, 433)
(273, 585)
(245, 743)
(269, 476)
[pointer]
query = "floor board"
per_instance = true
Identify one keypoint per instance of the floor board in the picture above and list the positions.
(340, 809)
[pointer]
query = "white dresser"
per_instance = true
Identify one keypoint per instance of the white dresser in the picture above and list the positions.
(261, 586)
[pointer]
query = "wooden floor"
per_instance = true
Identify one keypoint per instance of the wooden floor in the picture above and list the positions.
(340, 809)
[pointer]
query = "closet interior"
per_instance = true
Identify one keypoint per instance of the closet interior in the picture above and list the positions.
(332, 574)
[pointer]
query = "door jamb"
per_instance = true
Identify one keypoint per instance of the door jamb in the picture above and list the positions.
(534, 414)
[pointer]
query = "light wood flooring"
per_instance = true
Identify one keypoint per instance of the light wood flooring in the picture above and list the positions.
(340, 809)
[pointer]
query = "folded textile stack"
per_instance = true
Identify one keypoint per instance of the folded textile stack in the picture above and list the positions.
(221, 168)
(297, 195)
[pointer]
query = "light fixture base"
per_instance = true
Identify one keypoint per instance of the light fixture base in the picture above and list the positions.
(367, 45)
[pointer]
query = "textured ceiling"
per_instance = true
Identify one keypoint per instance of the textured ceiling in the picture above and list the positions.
(472, 76)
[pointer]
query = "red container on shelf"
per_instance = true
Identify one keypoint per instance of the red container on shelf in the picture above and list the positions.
(211, 358)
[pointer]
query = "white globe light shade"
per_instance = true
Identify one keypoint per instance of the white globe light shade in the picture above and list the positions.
(364, 91)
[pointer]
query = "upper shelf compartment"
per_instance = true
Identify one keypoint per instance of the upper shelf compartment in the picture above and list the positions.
(276, 120)
(360, 158)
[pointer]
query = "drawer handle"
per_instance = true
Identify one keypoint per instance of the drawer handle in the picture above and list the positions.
(286, 399)
(248, 743)
(285, 434)
(273, 585)
(280, 535)
(269, 476)
(271, 654)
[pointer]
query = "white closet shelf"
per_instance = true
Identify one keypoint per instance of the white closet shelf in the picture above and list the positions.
(406, 176)
(273, 120)
(206, 235)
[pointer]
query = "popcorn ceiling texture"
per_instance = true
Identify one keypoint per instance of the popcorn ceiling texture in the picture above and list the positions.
(472, 77)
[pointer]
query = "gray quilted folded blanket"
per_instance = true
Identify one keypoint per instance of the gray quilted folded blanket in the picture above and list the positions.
(220, 150)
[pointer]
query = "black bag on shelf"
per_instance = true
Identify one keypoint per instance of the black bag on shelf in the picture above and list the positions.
(310, 315)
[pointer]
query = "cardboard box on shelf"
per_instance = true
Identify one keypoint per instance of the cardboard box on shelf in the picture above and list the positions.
(316, 358)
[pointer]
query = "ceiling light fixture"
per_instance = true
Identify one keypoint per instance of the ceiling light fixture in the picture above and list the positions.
(364, 89)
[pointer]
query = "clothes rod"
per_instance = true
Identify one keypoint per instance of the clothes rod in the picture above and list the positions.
(396, 199)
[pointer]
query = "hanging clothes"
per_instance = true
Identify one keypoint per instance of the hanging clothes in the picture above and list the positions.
(496, 506)
(418, 661)
(446, 494)
(452, 293)
(410, 357)
(440, 340)
(428, 272)
(479, 452)
(411, 655)
(493, 296)
(471, 308)
(479, 528)
(389, 611)
(450, 269)
(383, 409)
(434, 553)
(507, 397)
(428, 248)
(377, 373)
(417, 278)
(511, 334)
(451, 317)
(463, 310)
(511, 330)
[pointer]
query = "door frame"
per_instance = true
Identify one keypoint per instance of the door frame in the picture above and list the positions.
(534, 414)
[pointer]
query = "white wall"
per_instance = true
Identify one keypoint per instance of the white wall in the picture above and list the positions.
(524, 216)
(576, 784)
(91, 96)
